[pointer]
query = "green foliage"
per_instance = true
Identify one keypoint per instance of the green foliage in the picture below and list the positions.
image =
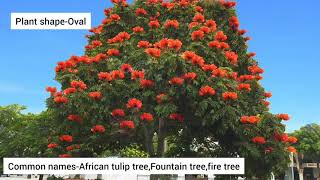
(308, 142)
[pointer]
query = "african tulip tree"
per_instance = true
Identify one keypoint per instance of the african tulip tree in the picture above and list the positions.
(167, 71)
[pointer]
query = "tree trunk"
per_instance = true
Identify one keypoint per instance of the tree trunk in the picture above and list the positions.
(161, 138)
(99, 177)
(41, 177)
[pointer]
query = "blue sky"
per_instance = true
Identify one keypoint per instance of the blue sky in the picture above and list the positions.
(285, 36)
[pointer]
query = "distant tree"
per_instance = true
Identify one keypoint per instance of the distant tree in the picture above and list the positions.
(308, 145)
(23, 135)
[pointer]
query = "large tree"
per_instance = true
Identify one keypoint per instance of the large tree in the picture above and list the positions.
(175, 73)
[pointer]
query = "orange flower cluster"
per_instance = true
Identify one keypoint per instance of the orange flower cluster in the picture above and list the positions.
(193, 57)
(134, 103)
(137, 75)
(176, 81)
(176, 116)
(268, 94)
(113, 52)
(121, 37)
(230, 95)
(234, 23)
(155, 52)
(292, 149)
(52, 90)
(220, 36)
(126, 68)
(171, 23)
(143, 44)
(61, 99)
(244, 86)
(78, 84)
(232, 57)
(98, 129)
(197, 35)
(255, 69)
(105, 75)
(292, 139)
(118, 112)
(75, 117)
(189, 76)
(114, 17)
(199, 18)
(66, 138)
(207, 90)
(146, 117)
(94, 44)
(144, 83)
(52, 145)
(141, 12)
(69, 90)
(96, 95)
(259, 140)
(218, 45)
(160, 98)
(154, 24)
(138, 29)
(250, 119)
(284, 117)
(209, 67)
(228, 4)
(127, 124)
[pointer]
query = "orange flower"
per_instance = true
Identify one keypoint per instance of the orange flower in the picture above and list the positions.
(209, 67)
(146, 117)
(117, 74)
(105, 75)
(219, 73)
(228, 4)
(143, 44)
(61, 99)
(207, 90)
(250, 55)
(126, 68)
(134, 103)
(193, 57)
(127, 124)
(66, 138)
(78, 84)
(189, 76)
(154, 24)
(292, 149)
(155, 52)
(176, 116)
(141, 12)
(174, 44)
(268, 94)
(52, 145)
(96, 95)
(138, 29)
(122, 36)
(64, 156)
(214, 44)
(258, 140)
(137, 75)
(284, 117)
(211, 24)
(244, 87)
(160, 98)
(96, 43)
(230, 95)
(171, 23)
(234, 22)
(52, 90)
(115, 17)
(75, 117)
(220, 36)
(117, 112)
(205, 29)
(250, 119)
(113, 52)
(144, 83)
(231, 56)
(176, 81)
(224, 45)
(98, 129)
(292, 139)
(199, 18)
(197, 35)
(255, 69)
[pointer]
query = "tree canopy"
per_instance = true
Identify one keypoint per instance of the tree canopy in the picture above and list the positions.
(176, 73)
